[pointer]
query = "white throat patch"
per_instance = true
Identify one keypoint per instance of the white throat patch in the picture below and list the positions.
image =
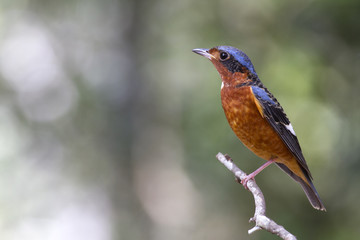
(222, 84)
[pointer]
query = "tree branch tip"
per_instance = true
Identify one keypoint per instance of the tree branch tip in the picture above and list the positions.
(254, 229)
(226, 156)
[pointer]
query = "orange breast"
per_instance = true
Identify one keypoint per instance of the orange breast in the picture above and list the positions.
(250, 127)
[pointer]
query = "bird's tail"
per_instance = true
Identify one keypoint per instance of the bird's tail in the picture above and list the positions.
(308, 188)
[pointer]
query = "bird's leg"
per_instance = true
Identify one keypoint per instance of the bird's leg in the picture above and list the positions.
(256, 172)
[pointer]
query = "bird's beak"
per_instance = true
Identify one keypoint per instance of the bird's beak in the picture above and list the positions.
(203, 52)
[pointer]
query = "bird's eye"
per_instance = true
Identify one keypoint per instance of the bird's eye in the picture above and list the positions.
(224, 56)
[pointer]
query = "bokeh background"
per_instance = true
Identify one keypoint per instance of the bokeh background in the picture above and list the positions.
(109, 124)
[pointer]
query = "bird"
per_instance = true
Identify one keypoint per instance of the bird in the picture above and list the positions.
(257, 118)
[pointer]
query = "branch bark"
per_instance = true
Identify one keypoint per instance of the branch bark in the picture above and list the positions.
(260, 219)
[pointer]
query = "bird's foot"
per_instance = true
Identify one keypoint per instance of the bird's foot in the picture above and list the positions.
(253, 174)
(245, 180)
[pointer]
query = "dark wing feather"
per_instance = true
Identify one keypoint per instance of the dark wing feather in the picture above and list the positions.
(277, 118)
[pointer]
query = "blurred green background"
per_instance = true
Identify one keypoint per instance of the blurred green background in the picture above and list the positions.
(110, 124)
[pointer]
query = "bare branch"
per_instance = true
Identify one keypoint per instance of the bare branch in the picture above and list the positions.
(261, 221)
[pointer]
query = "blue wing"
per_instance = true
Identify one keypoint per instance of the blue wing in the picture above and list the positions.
(276, 117)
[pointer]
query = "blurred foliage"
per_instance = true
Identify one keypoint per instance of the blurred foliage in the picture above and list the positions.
(110, 124)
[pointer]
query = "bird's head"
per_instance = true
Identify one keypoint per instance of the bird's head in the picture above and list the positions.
(229, 62)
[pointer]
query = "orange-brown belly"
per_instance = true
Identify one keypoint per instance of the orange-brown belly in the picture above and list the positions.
(251, 128)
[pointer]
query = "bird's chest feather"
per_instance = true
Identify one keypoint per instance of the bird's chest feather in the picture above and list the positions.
(247, 123)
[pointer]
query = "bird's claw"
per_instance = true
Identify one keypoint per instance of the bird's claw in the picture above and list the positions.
(245, 180)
